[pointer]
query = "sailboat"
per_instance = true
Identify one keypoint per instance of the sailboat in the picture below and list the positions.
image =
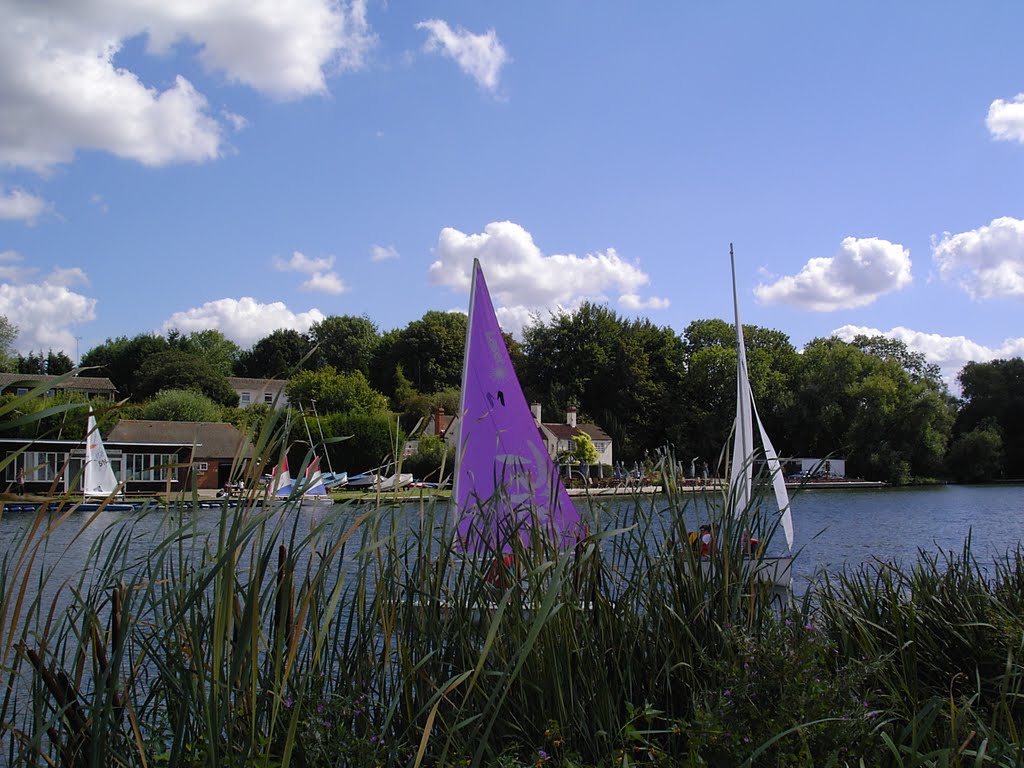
(313, 483)
(329, 479)
(505, 484)
(98, 479)
(281, 479)
(741, 473)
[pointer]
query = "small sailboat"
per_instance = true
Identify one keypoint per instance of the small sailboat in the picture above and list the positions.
(506, 484)
(313, 483)
(281, 479)
(98, 479)
(741, 473)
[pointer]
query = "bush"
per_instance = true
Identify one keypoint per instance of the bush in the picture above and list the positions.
(425, 462)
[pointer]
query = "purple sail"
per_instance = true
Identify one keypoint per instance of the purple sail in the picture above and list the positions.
(506, 484)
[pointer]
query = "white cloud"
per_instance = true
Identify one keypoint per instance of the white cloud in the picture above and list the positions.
(1005, 119)
(523, 279)
(479, 56)
(300, 262)
(325, 282)
(21, 205)
(245, 321)
(862, 270)
(382, 252)
(634, 302)
(986, 262)
(950, 353)
(64, 88)
(321, 278)
(43, 311)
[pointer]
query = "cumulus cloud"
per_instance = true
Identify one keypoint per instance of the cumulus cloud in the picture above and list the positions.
(245, 321)
(300, 262)
(382, 252)
(479, 56)
(862, 270)
(43, 310)
(64, 87)
(1005, 119)
(325, 282)
(635, 302)
(987, 262)
(17, 204)
(321, 277)
(524, 280)
(950, 353)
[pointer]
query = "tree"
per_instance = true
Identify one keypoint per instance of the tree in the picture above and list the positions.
(121, 360)
(175, 369)
(181, 405)
(993, 394)
(8, 334)
(212, 346)
(426, 461)
(345, 342)
(429, 350)
(58, 363)
(275, 356)
(976, 457)
(373, 442)
(336, 392)
(585, 450)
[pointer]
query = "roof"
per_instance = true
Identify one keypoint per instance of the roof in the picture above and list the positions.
(73, 382)
(567, 432)
(212, 439)
(262, 385)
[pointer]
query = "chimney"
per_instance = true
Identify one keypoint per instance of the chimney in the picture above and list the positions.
(570, 416)
(535, 410)
(438, 419)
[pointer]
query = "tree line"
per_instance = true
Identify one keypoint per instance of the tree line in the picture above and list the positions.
(872, 401)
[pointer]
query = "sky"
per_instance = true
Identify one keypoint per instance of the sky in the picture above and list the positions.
(249, 165)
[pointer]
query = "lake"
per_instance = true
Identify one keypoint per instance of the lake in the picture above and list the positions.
(833, 527)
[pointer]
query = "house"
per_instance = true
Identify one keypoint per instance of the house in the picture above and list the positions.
(560, 437)
(557, 437)
(90, 386)
(214, 448)
(146, 468)
(268, 391)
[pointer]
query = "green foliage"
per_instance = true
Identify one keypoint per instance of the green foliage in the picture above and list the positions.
(406, 400)
(176, 369)
(211, 346)
(121, 360)
(275, 356)
(977, 456)
(346, 343)
(8, 334)
(373, 440)
(426, 461)
(429, 350)
(181, 405)
(584, 451)
(335, 392)
(993, 394)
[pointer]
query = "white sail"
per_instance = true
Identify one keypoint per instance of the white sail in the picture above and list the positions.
(98, 479)
(741, 473)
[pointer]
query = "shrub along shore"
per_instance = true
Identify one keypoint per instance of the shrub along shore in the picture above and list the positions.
(370, 639)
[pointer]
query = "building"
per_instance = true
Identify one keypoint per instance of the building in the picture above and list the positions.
(90, 386)
(217, 451)
(267, 391)
(560, 437)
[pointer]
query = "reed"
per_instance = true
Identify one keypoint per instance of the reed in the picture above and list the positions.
(365, 636)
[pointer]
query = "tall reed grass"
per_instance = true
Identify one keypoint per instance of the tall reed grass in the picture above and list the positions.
(362, 635)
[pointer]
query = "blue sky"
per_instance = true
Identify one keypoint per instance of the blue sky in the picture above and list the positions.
(251, 166)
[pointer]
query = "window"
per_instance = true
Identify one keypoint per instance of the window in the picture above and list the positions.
(244, 398)
(40, 466)
(151, 466)
(202, 466)
(268, 398)
(22, 390)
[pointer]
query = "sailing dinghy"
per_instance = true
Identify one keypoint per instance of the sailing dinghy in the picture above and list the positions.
(98, 479)
(741, 473)
(506, 484)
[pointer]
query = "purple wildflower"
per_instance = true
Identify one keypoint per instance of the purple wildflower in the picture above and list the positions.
(543, 755)
(727, 692)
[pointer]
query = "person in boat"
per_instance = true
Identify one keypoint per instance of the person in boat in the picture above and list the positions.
(752, 543)
(706, 541)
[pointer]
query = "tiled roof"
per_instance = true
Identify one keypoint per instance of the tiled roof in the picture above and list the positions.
(261, 385)
(566, 432)
(74, 382)
(213, 439)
